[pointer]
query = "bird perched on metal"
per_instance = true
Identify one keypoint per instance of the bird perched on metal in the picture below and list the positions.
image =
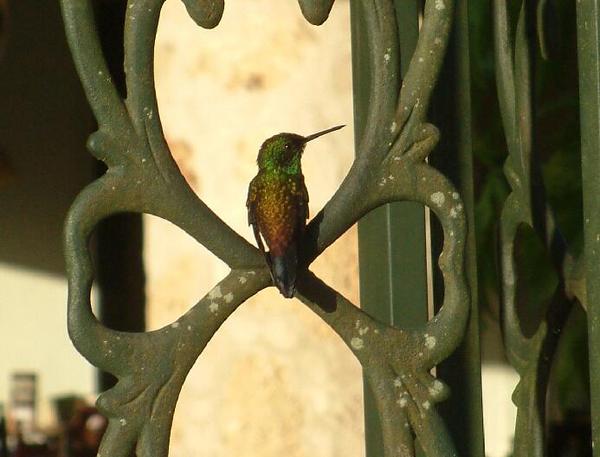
(278, 205)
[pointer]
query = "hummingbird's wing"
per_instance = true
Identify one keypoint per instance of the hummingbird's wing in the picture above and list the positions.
(260, 244)
(251, 205)
(302, 199)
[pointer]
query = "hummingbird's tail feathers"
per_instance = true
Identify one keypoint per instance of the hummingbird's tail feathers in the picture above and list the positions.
(283, 271)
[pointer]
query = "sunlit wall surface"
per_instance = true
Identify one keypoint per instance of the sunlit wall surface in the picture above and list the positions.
(38, 342)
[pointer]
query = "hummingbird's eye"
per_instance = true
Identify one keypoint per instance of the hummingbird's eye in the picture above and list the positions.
(287, 146)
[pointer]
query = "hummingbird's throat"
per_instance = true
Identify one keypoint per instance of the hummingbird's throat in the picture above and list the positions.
(294, 166)
(290, 167)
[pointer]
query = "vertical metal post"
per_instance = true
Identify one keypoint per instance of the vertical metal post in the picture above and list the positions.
(120, 264)
(452, 114)
(588, 45)
(392, 262)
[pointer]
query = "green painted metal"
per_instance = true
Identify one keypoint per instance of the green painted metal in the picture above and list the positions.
(142, 177)
(530, 353)
(588, 33)
(391, 238)
(463, 411)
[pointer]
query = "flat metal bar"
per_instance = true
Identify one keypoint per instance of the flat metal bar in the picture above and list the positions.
(588, 46)
(451, 112)
(392, 266)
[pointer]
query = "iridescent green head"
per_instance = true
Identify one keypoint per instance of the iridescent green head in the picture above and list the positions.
(282, 152)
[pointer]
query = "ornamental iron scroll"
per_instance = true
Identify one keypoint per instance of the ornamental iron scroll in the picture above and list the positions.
(142, 177)
(515, 47)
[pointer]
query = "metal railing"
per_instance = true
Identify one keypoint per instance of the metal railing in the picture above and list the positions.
(395, 336)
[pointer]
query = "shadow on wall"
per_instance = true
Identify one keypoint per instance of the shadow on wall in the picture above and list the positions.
(44, 124)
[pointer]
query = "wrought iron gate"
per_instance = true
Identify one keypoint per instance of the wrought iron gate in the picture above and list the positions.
(397, 64)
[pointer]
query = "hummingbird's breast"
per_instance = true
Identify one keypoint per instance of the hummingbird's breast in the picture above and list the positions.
(280, 210)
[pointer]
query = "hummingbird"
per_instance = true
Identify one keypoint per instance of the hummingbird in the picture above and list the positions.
(278, 205)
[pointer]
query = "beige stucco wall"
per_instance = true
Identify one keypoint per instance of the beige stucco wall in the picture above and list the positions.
(275, 380)
(39, 344)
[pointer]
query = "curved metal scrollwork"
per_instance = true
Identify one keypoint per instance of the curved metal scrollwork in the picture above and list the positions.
(142, 177)
(527, 205)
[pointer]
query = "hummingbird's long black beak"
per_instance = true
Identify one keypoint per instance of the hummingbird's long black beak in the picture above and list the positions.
(318, 134)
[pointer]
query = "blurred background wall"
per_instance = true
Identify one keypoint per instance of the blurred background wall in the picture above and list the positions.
(44, 123)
